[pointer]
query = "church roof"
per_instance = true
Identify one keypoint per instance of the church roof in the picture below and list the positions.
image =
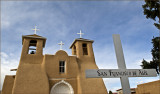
(81, 39)
(34, 36)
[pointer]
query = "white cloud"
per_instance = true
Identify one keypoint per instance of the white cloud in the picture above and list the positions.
(5, 24)
(7, 63)
(105, 56)
(112, 84)
(3, 55)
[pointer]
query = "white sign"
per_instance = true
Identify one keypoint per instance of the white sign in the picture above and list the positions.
(122, 72)
(117, 73)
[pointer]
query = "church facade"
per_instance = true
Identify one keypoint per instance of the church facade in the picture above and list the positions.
(54, 74)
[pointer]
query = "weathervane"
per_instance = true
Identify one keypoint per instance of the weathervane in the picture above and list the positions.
(35, 29)
(80, 34)
(61, 44)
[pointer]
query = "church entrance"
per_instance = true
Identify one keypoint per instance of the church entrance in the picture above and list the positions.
(62, 87)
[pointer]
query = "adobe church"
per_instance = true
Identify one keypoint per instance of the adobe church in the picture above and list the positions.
(54, 74)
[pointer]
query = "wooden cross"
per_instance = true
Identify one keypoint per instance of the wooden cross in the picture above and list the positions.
(80, 34)
(122, 72)
(35, 29)
(61, 44)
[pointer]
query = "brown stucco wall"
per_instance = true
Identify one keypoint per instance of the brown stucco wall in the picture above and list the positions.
(52, 65)
(88, 85)
(8, 84)
(149, 88)
(52, 69)
(75, 70)
(31, 79)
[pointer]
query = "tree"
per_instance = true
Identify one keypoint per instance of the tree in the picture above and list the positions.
(152, 11)
(156, 54)
(145, 64)
(110, 92)
(155, 63)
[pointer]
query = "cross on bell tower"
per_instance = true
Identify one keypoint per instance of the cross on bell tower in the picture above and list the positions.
(80, 34)
(35, 29)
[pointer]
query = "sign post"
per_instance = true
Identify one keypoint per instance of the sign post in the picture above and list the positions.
(122, 72)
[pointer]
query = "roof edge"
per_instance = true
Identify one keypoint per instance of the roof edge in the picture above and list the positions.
(34, 37)
(28, 36)
(80, 39)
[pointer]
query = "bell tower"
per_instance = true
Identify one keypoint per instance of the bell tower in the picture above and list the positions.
(82, 48)
(32, 50)
(33, 44)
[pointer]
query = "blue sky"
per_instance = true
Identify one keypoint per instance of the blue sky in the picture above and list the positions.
(62, 20)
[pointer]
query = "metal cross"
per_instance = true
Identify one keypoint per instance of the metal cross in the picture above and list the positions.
(80, 34)
(61, 44)
(35, 29)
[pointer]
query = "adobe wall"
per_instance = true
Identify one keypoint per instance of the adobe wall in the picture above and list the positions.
(52, 65)
(52, 69)
(8, 84)
(88, 85)
(31, 77)
(149, 88)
